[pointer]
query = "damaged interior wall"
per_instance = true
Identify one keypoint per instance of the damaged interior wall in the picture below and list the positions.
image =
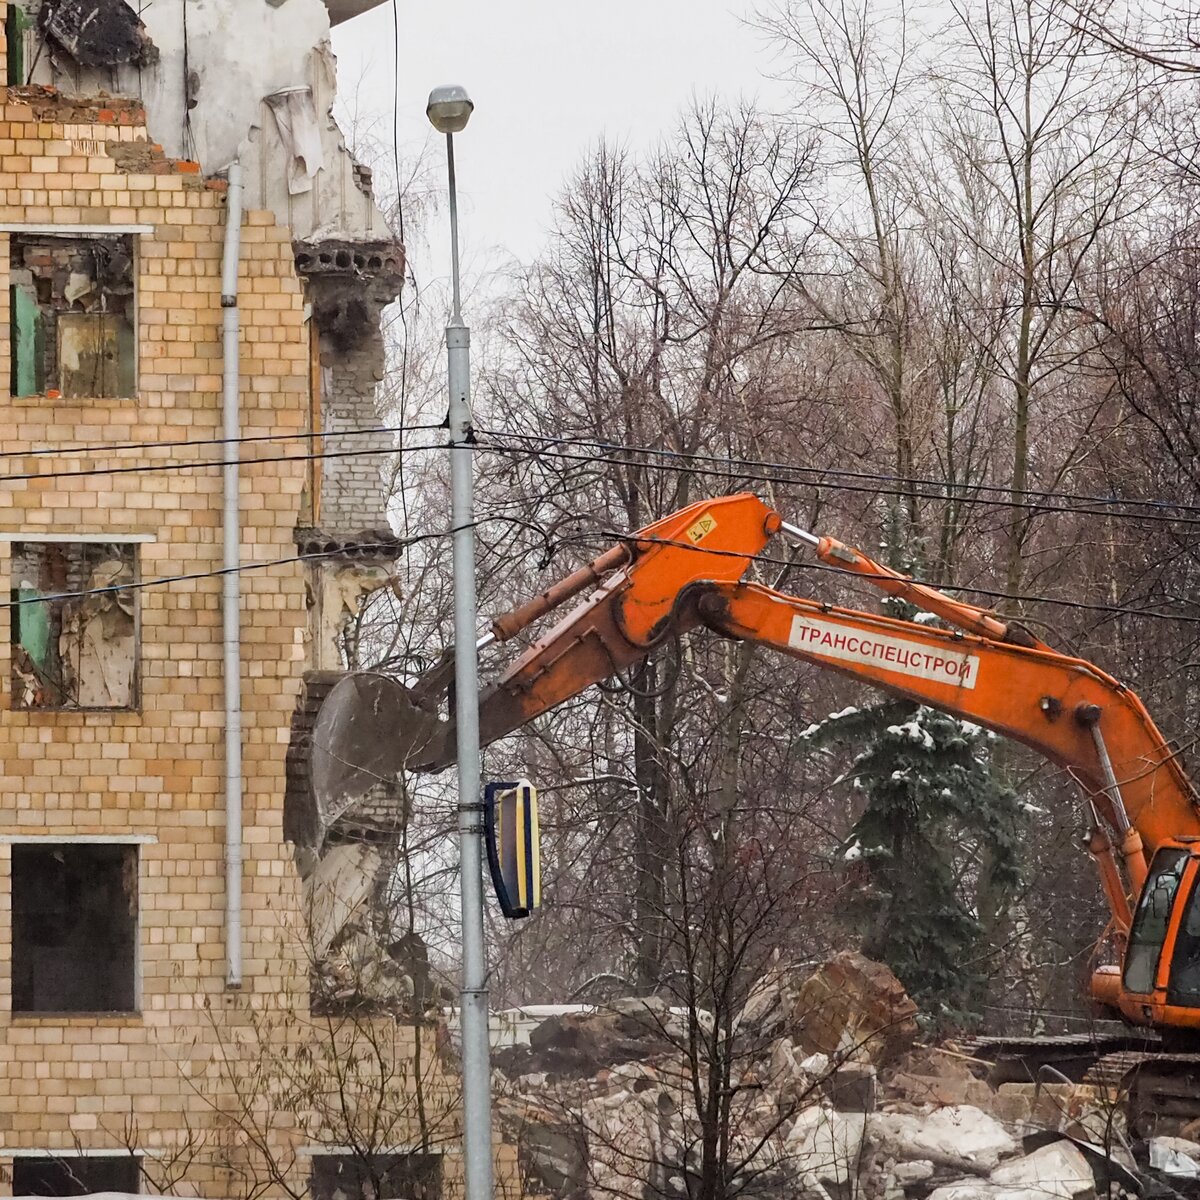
(78, 652)
(74, 928)
(73, 316)
(248, 79)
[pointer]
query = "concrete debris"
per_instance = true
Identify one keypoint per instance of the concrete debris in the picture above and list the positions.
(1174, 1156)
(1058, 1170)
(959, 1137)
(853, 1007)
(826, 1102)
(98, 33)
(338, 888)
(358, 962)
(826, 1145)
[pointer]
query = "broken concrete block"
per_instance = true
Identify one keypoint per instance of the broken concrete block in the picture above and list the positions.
(959, 1137)
(1175, 1156)
(827, 1145)
(336, 891)
(933, 1089)
(1058, 1170)
(854, 1007)
(911, 1173)
(852, 1087)
(966, 1189)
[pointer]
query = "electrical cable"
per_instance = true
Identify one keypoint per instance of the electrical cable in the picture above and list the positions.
(916, 481)
(70, 451)
(216, 573)
(749, 476)
(316, 456)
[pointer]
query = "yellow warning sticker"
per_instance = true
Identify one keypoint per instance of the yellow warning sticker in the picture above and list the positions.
(701, 529)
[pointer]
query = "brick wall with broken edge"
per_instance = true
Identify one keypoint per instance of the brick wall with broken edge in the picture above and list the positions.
(71, 1082)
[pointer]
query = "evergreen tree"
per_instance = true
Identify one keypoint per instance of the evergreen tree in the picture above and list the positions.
(938, 828)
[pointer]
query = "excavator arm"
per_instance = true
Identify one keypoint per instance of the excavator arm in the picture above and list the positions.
(688, 571)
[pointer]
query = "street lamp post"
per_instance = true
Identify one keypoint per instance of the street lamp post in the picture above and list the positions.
(448, 110)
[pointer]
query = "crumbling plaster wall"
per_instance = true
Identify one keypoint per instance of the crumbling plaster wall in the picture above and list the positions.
(206, 100)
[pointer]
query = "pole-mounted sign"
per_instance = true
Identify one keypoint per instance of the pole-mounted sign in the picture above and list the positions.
(514, 846)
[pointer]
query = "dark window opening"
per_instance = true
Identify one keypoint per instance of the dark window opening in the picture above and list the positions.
(1151, 920)
(73, 316)
(79, 651)
(75, 1175)
(74, 929)
(377, 1177)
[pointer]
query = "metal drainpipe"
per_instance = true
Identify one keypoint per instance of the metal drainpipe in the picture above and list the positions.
(231, 601)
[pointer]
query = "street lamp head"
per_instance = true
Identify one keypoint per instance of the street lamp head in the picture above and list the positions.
(449, 108)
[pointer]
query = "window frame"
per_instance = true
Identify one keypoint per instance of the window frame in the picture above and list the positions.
(136, 842)
(134, 542)
(134, 233)
(13, 1156)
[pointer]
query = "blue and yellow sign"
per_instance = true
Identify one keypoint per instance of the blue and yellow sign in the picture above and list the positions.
(514, 846)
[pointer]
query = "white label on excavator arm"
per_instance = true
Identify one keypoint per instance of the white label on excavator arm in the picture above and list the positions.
(826, 639)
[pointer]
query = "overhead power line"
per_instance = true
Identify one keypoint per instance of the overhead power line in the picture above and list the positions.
(732, 460)
(405, 543)
(109, 447)
(207, 464)
(863, 489)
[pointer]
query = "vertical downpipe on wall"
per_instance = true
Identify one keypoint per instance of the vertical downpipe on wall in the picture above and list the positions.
(231, 600)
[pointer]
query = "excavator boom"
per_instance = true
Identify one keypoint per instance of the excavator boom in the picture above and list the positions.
(688, 572)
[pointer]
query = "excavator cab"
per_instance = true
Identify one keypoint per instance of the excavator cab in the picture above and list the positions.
(1162, 960)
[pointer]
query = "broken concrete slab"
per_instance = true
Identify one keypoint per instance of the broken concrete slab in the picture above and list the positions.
(909, 1174)
(339, 886)
(851, 1006)
(1175, 1156)
(960, 1137)
(1058, 1170)
(827, 1145)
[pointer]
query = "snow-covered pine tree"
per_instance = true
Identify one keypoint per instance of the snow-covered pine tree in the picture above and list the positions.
(937, 827)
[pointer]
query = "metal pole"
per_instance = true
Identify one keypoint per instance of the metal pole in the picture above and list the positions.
(473, 1003)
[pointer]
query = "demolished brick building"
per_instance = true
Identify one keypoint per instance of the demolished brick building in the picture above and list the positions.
(144, 905)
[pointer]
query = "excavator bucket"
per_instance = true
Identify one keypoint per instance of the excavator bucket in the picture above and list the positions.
(370, 728)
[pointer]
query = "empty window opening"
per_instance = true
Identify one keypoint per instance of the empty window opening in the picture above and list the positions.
(73, 316)
(75, 1174)
(78, 648)
(377, 1177)
(74, 930)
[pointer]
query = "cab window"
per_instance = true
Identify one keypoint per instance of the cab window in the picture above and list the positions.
(1152, 918)
(1183, 987)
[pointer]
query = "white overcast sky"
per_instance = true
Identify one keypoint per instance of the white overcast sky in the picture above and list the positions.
(548, 77)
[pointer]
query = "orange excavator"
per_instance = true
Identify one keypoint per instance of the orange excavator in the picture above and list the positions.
(687, 573)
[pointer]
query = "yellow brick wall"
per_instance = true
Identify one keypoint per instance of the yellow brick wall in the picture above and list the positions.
(156, 1079)
(156, 773)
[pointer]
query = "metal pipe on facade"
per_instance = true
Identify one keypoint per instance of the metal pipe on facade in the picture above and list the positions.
(231, 561)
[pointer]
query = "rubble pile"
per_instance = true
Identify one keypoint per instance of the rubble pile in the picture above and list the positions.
(830, 1098)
